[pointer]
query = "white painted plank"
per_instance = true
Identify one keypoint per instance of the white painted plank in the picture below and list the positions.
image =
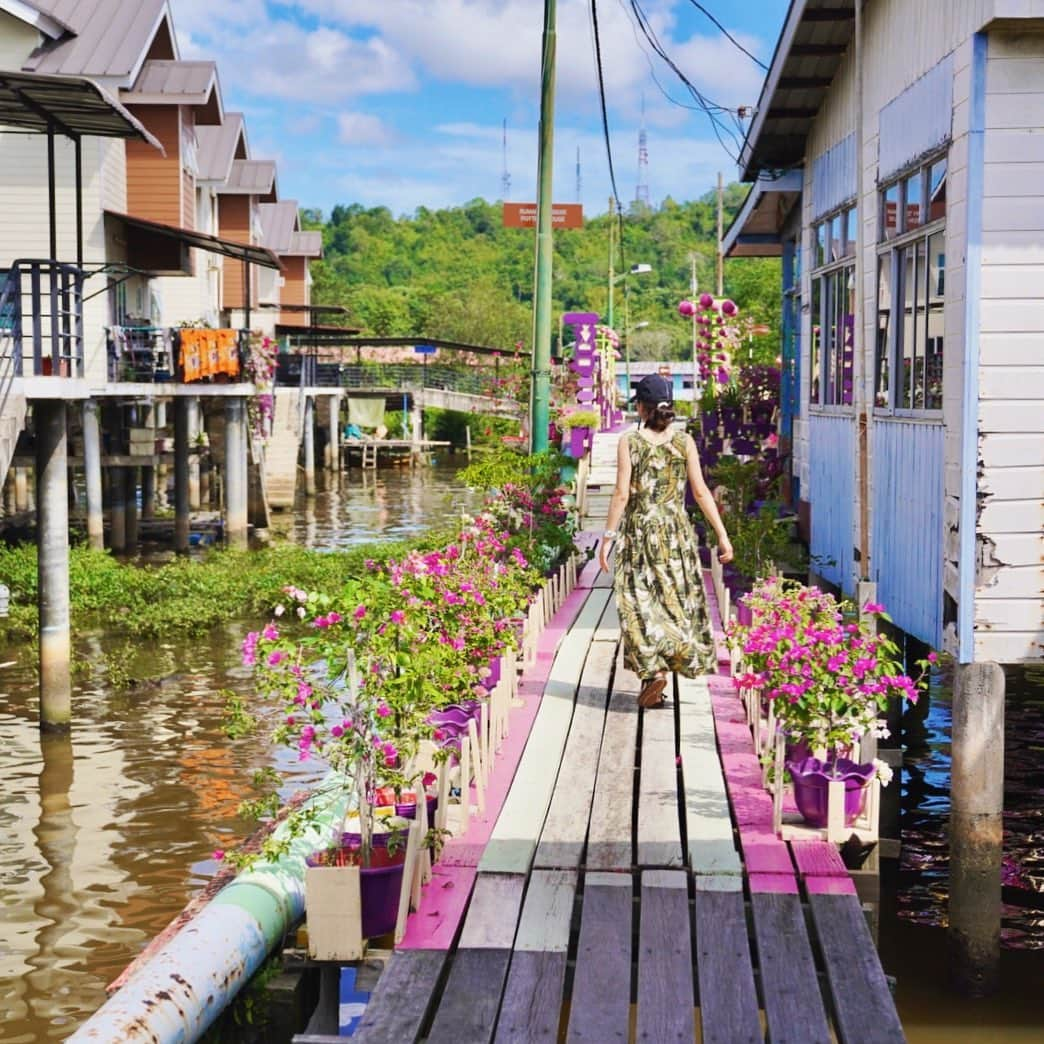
(547, 912)
(1011, 112)
(1009, 646)
(1017, 548)
(493, 912)
(659, 831)
(1011, 416)
(609, 835)
(1014, 382)
(514, 838)
(1012, 516)
(1015, 582)
(1008, 614)
(1009, 349)
(565, 829)
(1011, 483)
(712, 849)
(719, 882)
(609, 625)
(1005, 449)
(1021, 180)
(1015, 76)
(1013, 282)
(1016, 146)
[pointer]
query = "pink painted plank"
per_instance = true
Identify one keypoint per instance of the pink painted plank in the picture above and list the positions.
(765, 857)
(818, 859)
(752, 808)
(830, 886)
(778, 883)
(443, 900)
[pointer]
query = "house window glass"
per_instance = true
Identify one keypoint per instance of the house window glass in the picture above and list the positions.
(882, 370)
(815, 341)
(833, 311)
(822, 232)
(911, 277)
(890, 212)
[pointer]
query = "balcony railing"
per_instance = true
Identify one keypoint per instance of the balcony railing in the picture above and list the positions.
(157, 354)
(41, 319)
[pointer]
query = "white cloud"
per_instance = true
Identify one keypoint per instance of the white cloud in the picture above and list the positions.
(360, 128)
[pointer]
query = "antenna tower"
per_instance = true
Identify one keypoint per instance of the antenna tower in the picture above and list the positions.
(505, 176)
(641, 190)
(579, 179)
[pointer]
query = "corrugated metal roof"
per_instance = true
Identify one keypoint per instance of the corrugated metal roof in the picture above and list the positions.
(815, 36)
(75, 106)
(306, 244)
(179, 83)
(111, 36)
(278, 224)
(39, 15)
(218, 147)
(251, 178)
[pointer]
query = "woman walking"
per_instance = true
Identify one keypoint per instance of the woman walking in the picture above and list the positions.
(663, 616)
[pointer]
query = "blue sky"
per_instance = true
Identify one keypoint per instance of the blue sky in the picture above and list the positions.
(400, 102)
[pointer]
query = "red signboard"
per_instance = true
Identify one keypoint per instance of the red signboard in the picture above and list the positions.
(524, 215)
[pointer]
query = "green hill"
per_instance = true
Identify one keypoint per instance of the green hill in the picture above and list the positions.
(458, 274)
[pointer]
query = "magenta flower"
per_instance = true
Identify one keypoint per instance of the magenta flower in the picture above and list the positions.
(336, 731)
(873, 608)
(270, 633)
(360, 612)
(218, 854)
(397, 616)
(383, 710)
(321, 622)
(333, 617)
(276, 658)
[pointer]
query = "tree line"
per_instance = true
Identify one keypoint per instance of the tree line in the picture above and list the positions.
(458, 274)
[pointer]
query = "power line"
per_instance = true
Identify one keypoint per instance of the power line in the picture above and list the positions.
(601, 98)
(728, 36)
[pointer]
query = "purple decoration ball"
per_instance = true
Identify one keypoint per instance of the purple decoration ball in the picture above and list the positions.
(686, 308)
(729, 307)
(706, 301)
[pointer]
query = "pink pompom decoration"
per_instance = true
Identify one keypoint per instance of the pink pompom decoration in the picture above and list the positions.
(706, 301)
(686, 308)
(729, 307)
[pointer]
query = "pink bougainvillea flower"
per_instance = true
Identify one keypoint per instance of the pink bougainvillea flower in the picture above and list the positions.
(276, 658)
(360, 612)
(270, 633)
(336, 731)
(218, 854)
(429, 779)
(383, 710)
(333, 617)
(397, 616)
(873, 608)
(321, 622)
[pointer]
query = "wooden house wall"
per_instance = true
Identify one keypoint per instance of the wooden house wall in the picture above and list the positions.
(1009, 585)
(234, 220)
(295, 290)
(831, 489)
(154, 180)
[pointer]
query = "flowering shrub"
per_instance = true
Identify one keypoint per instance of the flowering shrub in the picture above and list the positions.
(829, 679)
(358, 674)
(260, 368)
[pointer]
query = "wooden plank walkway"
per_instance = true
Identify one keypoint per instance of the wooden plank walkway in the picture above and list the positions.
(625, 884)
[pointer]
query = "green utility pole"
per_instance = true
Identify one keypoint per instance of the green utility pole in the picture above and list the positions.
(540, 403)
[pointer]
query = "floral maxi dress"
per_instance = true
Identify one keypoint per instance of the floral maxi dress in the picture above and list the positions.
(659, 594)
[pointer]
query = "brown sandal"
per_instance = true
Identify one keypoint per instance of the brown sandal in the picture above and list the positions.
(652, 692)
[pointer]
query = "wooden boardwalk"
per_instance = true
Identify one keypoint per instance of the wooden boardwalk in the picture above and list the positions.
(624, 883)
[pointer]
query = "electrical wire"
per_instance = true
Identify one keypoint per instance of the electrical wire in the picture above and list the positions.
(728, 36)
(601, 98)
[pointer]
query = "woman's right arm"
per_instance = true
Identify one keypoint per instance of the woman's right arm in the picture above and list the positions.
(621, 494)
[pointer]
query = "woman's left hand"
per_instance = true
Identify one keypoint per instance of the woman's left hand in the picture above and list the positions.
(603, 553)
(724, 550)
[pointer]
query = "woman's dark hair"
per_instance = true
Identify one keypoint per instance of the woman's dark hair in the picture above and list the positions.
(659, 418)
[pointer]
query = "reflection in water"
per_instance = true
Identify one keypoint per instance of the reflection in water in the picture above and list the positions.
(107, 833)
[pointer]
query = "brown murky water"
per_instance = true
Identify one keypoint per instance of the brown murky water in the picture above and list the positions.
(106, 834)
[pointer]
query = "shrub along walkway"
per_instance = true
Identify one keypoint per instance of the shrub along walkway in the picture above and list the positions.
(625, 884)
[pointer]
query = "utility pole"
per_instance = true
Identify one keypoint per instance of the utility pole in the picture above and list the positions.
(540, 403)
(612, 251)
(721, 214)
(693, 288)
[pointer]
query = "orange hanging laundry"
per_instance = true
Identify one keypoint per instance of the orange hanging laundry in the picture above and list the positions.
(228, 352)
(191, 362)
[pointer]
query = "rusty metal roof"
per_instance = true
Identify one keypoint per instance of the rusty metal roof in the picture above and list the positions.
(75, 107)
(219, 146)
(251, 178)
(816, 34)
(107, 38)
(179, 83)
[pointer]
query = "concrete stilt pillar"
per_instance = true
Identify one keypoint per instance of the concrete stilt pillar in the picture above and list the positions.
(52, 543)
(160, 417)
(236, 484)
(148, 493)
(205, 486)
(977, 790)
(21, 488)
(10, 503)
(93, 474)
(309, 445)
(333, 420)
(117, 510)
(181, 489)
(130, 506)
(195, 426)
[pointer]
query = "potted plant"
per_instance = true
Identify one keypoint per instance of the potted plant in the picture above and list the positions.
(828, 681)
(579, 425)
(730, 399)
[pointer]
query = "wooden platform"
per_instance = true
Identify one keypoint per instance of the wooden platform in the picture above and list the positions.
(626, 884)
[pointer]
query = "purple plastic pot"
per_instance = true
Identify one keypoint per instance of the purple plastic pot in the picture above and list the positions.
(494, 673)
(409, 811)
(578, 441)
(811, 779)
(379, 884)
(744, 615)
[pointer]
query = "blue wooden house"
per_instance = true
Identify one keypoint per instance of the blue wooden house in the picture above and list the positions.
(897, 168)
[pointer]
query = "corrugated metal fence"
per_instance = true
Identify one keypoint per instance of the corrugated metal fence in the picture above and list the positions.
(831, 477)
